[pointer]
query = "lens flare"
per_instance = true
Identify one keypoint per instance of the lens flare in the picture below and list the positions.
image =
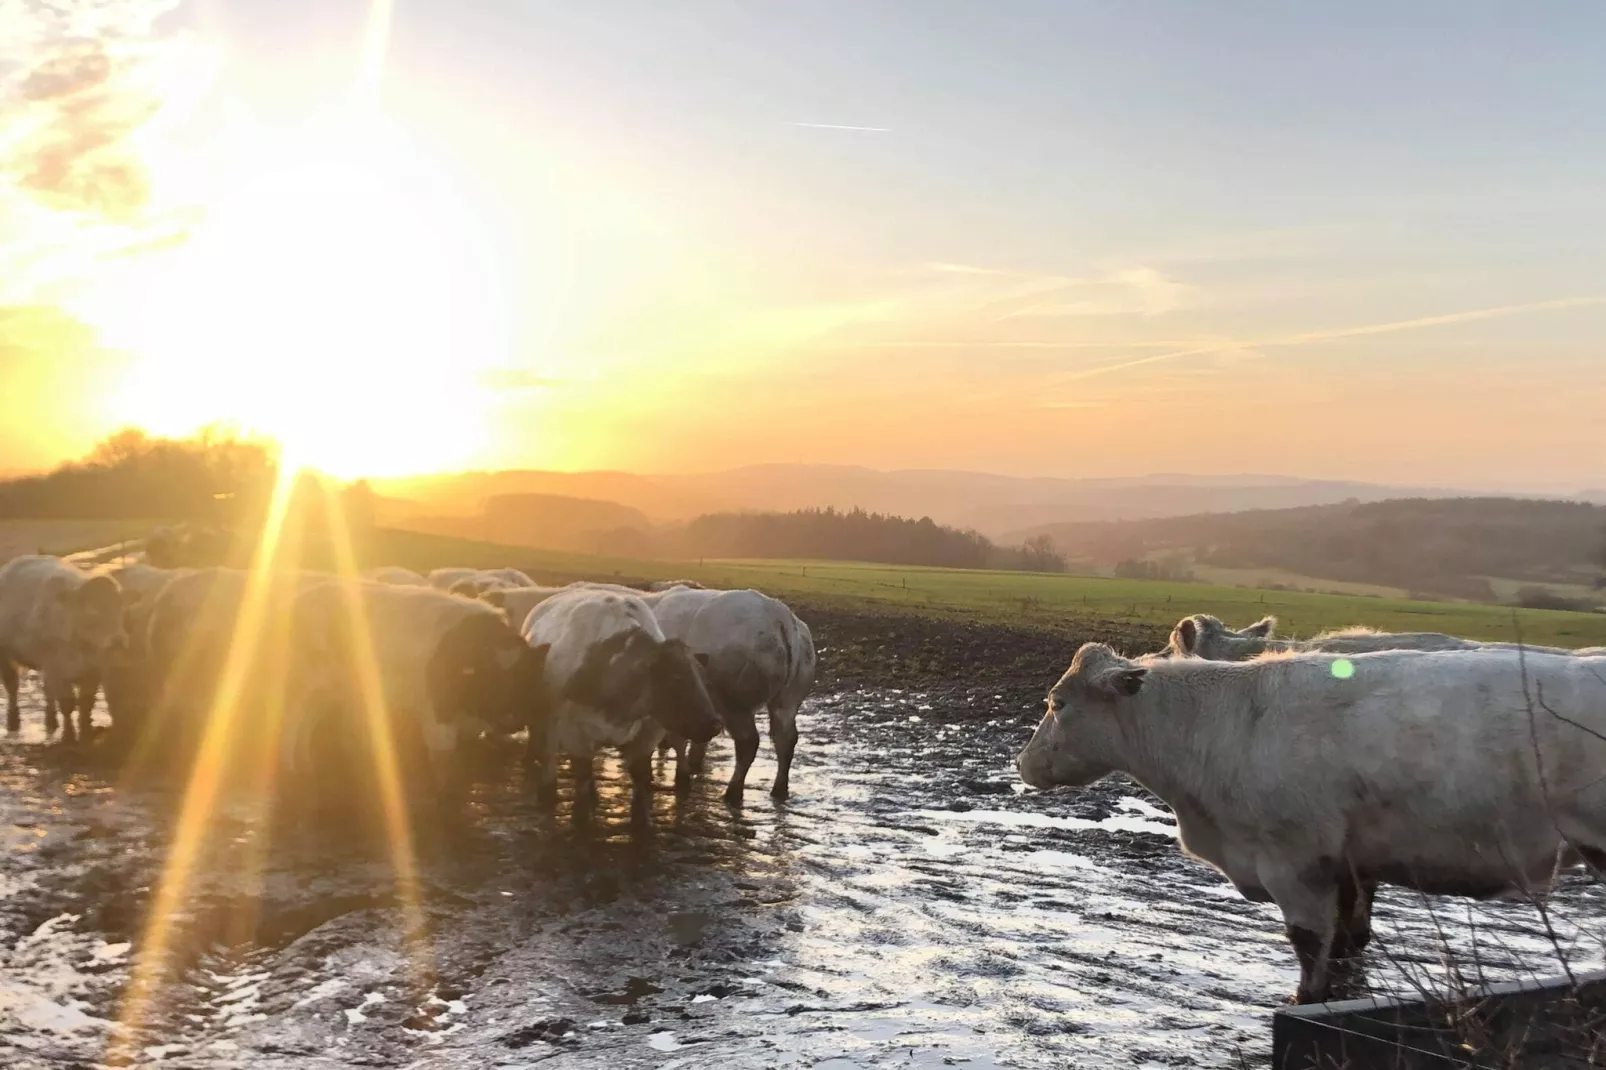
(376, 715)
(211, 761)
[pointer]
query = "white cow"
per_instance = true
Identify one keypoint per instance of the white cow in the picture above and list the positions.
(395, 574)
(63, 622)
(449, 579)
(1308, 778)
(445, 666)
(1202, 635)
(759, 656)
(195, 626)
(446, 578)
(612, 679)
(517, 602)
(125, 674)
(508, 577)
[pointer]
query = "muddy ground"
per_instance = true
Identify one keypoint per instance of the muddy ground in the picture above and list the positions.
(910, 906)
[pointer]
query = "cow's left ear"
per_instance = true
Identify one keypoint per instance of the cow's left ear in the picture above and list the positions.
(1260, 629)
(1122, 682)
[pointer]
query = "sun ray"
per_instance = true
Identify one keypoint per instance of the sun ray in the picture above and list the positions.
(375, 46)
(376, 715)
(211, 761)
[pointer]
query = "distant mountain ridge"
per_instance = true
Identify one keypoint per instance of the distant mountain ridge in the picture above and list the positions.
(1001, 507)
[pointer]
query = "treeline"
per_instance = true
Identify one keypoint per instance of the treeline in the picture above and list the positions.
(1446, 547)
(210, 478)
(853, 535)
(208, 496)
(581, 525)
(836, 535)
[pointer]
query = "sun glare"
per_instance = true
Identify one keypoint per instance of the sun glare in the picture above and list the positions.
(332, 299)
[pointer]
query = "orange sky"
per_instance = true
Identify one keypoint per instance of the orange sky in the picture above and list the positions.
(513, 235)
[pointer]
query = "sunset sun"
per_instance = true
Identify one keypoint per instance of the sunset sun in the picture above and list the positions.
(329, 300)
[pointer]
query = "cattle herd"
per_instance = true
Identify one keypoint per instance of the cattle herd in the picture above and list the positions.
(1307, 771)
(458, 653)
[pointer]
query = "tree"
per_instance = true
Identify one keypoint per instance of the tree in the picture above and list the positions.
(1039, 554)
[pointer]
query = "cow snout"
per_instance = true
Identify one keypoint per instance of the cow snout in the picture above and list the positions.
(1032, 767)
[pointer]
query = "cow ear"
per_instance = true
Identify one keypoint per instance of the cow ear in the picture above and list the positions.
(1186, 635)
(1261, 628)
(1122, 682)
(702, 659)
(494, 597)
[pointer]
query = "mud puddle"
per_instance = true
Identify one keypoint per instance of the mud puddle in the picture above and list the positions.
(911, 907)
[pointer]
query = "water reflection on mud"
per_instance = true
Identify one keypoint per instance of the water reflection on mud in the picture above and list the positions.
(911, 906)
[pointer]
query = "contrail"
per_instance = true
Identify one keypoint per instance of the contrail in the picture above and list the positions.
(1310, 337)
(839, 126)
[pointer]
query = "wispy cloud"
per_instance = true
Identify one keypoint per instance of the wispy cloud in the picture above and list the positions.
(1128, 291)
(1338, 334)
(82, 90)
(844, 126)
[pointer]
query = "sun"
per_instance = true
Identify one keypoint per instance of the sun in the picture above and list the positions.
(332, 298)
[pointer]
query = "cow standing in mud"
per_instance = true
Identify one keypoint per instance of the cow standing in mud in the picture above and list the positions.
(65, 623)
(759, 656)
(612, 679)
(1308, 778)
(445, 667)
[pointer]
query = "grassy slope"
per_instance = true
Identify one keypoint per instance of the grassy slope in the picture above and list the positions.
(1040, 602)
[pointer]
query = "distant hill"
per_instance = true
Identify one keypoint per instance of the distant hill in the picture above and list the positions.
(1000, 507)
(552, 521)
(1453, 547)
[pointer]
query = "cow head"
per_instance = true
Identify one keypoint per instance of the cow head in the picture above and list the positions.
(482, 669)
(90, 618)
(1204, 636)
(1075, 743)
(677, 686)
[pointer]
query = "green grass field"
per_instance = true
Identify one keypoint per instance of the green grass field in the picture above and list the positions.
(1052, 603)
(1028, 600)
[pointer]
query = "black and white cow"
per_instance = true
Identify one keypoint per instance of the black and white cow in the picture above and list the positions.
(612, 679)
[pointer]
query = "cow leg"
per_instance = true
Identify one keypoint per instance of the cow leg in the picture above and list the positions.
(59, 698)
(696, 758)
(8, 675)
(638, 762)
(585, 783)
(683, 769)
(744, 735)
(88, 689)
(535, 742)
(546, 778)
(1354, 917)
(1308, 899)
(783, 737)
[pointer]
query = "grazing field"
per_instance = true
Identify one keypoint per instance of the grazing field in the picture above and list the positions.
(1068, 604)
(1036, 601)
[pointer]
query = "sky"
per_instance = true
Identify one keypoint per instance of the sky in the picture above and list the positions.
(1042, 238)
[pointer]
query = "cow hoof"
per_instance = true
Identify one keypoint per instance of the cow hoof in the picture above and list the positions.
(780, 792)
(733, 796)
